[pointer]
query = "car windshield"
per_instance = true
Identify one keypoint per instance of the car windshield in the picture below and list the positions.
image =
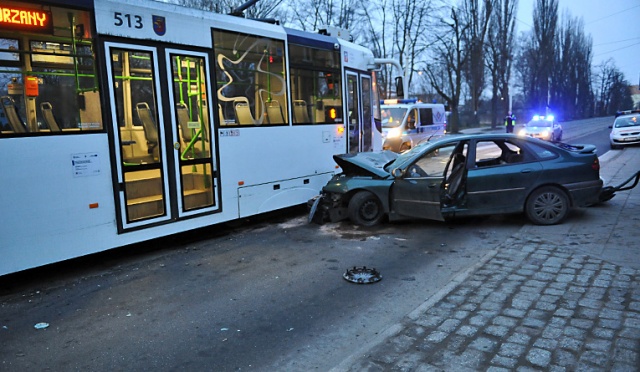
(402, 158)
(627, 121)
(392, 116)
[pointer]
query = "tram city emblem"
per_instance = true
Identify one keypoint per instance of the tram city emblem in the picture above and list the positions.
(159, 25)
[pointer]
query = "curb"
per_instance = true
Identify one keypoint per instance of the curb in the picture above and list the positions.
(394, 329)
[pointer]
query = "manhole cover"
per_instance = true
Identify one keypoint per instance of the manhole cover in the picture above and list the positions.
(362, 275)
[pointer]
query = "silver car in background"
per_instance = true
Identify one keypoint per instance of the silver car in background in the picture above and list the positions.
(625, 129)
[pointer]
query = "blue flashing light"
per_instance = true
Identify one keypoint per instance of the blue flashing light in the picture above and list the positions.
(409, 100)
(397, 101)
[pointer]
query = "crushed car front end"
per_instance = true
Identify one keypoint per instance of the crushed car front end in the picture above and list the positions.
(333, 202)
(360, 172)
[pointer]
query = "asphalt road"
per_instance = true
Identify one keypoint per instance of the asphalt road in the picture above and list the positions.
(268, 295)
(593, 131)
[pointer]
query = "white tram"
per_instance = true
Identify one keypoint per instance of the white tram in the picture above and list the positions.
(121, 123)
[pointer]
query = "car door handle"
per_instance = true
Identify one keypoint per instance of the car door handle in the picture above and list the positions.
(528, 170)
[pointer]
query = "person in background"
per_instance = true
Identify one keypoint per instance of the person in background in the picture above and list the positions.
(509, 122)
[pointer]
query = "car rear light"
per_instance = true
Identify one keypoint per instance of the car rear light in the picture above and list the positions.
(596, 164)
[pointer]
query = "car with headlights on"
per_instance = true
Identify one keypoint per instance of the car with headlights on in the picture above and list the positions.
(625, 129)
(543, 127)
(462, 175)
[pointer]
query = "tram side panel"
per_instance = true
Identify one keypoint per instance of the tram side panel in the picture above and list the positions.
(57, 200)
(268, 168)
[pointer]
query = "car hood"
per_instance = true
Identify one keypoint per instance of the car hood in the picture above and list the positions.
(365, 163)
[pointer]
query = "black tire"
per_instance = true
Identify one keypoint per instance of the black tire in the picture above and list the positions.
(547, 206)
(615, 147)
(365, 209)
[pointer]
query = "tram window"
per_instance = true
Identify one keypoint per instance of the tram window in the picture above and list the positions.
(136, 105)
(316, 85)
(192, 113)
(6, 48)
(48, 81)
(251, 84)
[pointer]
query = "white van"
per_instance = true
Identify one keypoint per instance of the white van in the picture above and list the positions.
(407, 122)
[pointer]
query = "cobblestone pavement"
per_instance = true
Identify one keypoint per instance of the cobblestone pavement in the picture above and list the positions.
(531, 306)
(554, 298)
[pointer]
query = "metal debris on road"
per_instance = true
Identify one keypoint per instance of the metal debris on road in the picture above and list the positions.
(362, 275)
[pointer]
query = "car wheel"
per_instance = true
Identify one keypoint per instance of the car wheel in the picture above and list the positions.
(559, 137)
(547, 206)
(615, 147)
(365, 209)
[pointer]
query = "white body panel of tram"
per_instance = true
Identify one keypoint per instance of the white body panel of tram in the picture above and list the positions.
(57, 200)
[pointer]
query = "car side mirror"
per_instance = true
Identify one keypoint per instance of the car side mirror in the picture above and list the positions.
(397, 173)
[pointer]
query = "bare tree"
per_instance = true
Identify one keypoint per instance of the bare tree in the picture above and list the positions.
(477, 14)
(445, 70)
(216, 6)
(570, 90)
(259, 10)
(309, 15)
(612, 90)
(500, 46)
(545, 20)
(376, 37)
(410, 23)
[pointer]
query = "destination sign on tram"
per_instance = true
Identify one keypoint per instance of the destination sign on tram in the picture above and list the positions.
(34, 20)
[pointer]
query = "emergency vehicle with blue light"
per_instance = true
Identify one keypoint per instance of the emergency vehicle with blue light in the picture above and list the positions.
(408, 122)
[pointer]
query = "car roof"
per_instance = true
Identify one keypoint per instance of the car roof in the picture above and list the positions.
(627, 113)
(490, 136)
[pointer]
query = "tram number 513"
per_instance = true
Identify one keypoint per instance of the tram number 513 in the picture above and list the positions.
(127, 20)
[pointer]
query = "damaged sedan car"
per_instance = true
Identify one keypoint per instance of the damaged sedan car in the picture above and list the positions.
(467, 175)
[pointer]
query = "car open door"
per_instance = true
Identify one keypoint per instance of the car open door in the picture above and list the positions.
(418, 191)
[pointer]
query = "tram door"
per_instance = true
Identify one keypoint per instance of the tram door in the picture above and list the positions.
(157, 180)
(360, 111)
(196, 169)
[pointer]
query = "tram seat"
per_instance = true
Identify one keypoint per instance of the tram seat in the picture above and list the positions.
(11, 111)
(274, 113)
(149, 126)
(49, 119)
(243, 113)
(183, 120)
(300, 112)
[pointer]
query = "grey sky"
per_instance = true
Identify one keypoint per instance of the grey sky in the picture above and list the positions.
(614, 26)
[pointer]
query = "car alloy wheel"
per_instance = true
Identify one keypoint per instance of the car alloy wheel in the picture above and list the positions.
(547, 206)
